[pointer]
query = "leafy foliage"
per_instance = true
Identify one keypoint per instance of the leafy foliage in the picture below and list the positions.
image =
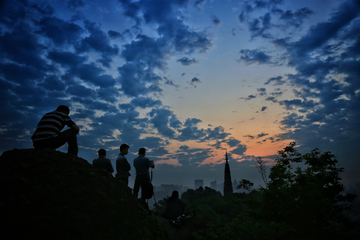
(245, 184)
(309, 199)
(303, 199)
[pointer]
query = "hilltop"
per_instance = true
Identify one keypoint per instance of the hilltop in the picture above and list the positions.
(47, 194)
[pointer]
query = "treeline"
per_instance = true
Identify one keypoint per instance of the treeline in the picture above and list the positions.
(303, 199)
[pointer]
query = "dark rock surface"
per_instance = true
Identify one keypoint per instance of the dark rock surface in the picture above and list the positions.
(47, 194)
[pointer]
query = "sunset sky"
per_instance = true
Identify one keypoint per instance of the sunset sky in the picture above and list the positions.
(188, 80)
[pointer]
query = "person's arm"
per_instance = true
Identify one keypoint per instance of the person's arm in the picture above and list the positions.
(75, 128)
(152, 164)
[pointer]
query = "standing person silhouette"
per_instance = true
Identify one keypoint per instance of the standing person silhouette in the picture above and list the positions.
(122, 165)
(48, 131)
(142, 165)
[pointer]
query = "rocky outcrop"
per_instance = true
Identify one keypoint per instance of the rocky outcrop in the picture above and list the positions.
(47, 194)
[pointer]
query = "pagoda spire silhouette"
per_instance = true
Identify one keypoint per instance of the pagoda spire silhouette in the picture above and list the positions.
(228, 189)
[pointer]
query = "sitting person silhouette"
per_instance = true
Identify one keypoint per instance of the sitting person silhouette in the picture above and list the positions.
(174, 207)
(48, 132)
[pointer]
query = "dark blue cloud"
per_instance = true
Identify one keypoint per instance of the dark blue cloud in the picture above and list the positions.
(248, 97)
(215, 134)
(192, 156)
(161, 119)
(295, 103)
(276, 80)
(195, 80)
(53, 83)
(215, 20)
(260, 27)
(66, 59)
(170, 83)
(98, 41)
(239, 150)
(75, 4)
(19, 74)
(324, 31)
(261, 135)
(191, 131)
(145, 55)
(296, 18)
(187, 61)
(115, 34)
(188, 41)
(261, 91)
(21, 46)
(232, 142)
(254, 56)
(190, 122)
(60, 31)
(144, 102)
(249, 136)
(93, 74)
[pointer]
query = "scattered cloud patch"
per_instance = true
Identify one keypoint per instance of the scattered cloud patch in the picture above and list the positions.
(187, 61)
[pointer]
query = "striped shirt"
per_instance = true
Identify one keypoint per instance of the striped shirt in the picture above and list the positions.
(50, 125)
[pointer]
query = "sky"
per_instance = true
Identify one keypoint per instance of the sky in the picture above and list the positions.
(188, 80)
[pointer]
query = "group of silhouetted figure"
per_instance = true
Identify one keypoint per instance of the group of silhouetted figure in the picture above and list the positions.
(48, 135)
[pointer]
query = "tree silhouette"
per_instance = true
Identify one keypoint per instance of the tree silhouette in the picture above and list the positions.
(310, 197)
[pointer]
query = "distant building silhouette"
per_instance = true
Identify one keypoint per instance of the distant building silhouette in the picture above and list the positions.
(199, 183)
(213, 185)
(228, 190)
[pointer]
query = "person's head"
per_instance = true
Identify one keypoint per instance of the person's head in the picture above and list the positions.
(124, 149)
(142, 151)
(102, 152)
(63, 109)
(175, 194)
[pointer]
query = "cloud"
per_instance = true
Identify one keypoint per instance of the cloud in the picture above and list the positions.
(75, 4)
(215, 20)
(232, 142)
(263, 108)
(199, 4)
(260, 135)
(296, 18)
(248, 97)
(191, 131)
(186, 61)
(215, 134)
(60, 31)
(239, 150)
(324, 31)
(297, 103)
(170, 83)
(259, 27)
(99, 42)
(253, 56)
(144, 102)
(160, 118)
(195, 80)
(249, 136)
(115, 34)
(276, 80)
(261, 91)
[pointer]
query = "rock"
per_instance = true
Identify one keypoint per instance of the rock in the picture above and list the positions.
(47, 194)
